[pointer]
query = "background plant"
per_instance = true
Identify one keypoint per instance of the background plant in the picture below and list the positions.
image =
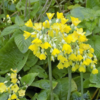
(14, 51)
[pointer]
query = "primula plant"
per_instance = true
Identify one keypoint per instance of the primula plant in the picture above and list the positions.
(55, 39)
(13, 87)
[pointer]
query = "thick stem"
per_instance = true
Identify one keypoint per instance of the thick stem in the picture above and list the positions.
(50, 76)
(81, 74)
(69, 84)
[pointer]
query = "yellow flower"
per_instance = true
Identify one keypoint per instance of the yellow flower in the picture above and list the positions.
(80, 31)
(82, 69)
(60, 66)
(37, 26)
(74, 68)
(15, 88)
(3, 87)
(14, 80)
(61, 58)
(91, 50)
(37, 41)
(84, 46)
(55, 51)
(94, 71)
(50, 33)
(33, 47)
(13, 75)
(7, 15)
(67, 28)
(42, 57)
(79, 57)
(46, 24)
(46, 45)
(73, 57)
(82, 38)
(29, 23)
(75, 21)
(59, 15)
(15, 71)
(9, 98)
(14, 96)
(67, 48)
(26, 34)
(90, 55)
(21, 93)
(50, 15)
(69, 39)
(64, 20)
(87, 61)
(67, 64)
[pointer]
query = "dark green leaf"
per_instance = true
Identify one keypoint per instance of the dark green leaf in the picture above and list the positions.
(44, 84)
(29, 78)
(21, 43)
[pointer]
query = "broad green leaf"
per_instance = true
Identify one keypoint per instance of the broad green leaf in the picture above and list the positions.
(86, 83)
(38, 69)
(78, 12)
(19, 21)
(31, 61)
(77, 80)
(10, 7)
(59, 73)
(62, 88)
(20, 6)
(94, 41)
(43, 95)
(4, 96)
(11, 57)
(21, 43)
(29, 78)
(9, 30)
(77, 96)
(90, 25)
(44, 84)
(91, 3)
(95, 79)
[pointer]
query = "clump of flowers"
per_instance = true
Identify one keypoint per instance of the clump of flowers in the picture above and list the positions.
(8, 19)
(13, 87)
(64, 42)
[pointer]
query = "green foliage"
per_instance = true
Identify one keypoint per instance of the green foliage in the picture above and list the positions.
(14, 52)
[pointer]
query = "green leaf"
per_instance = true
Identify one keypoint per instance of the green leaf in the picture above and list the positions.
(21, 43)
(95, 79)
(90, 25)
(29, 78)
(20, 6)
(43, 95)
(11, 57)
(62, 88)
(31, 61)
(38, 69)
(4, 96)
(44, 84)
(9, 30)
(91, 3)
(19, 21)
(94, 41)
(59, 73)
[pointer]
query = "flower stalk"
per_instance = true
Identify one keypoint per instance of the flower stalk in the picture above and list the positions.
(50, 76)
(81, 74)
(69, 84)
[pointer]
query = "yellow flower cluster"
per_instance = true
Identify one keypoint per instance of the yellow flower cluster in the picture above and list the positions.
(64, 42)
(14, 90)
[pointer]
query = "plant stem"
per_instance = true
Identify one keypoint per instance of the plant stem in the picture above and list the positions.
(81, 74)
(25, 9)
(69, 84)
(4, 11)
(50, 76)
